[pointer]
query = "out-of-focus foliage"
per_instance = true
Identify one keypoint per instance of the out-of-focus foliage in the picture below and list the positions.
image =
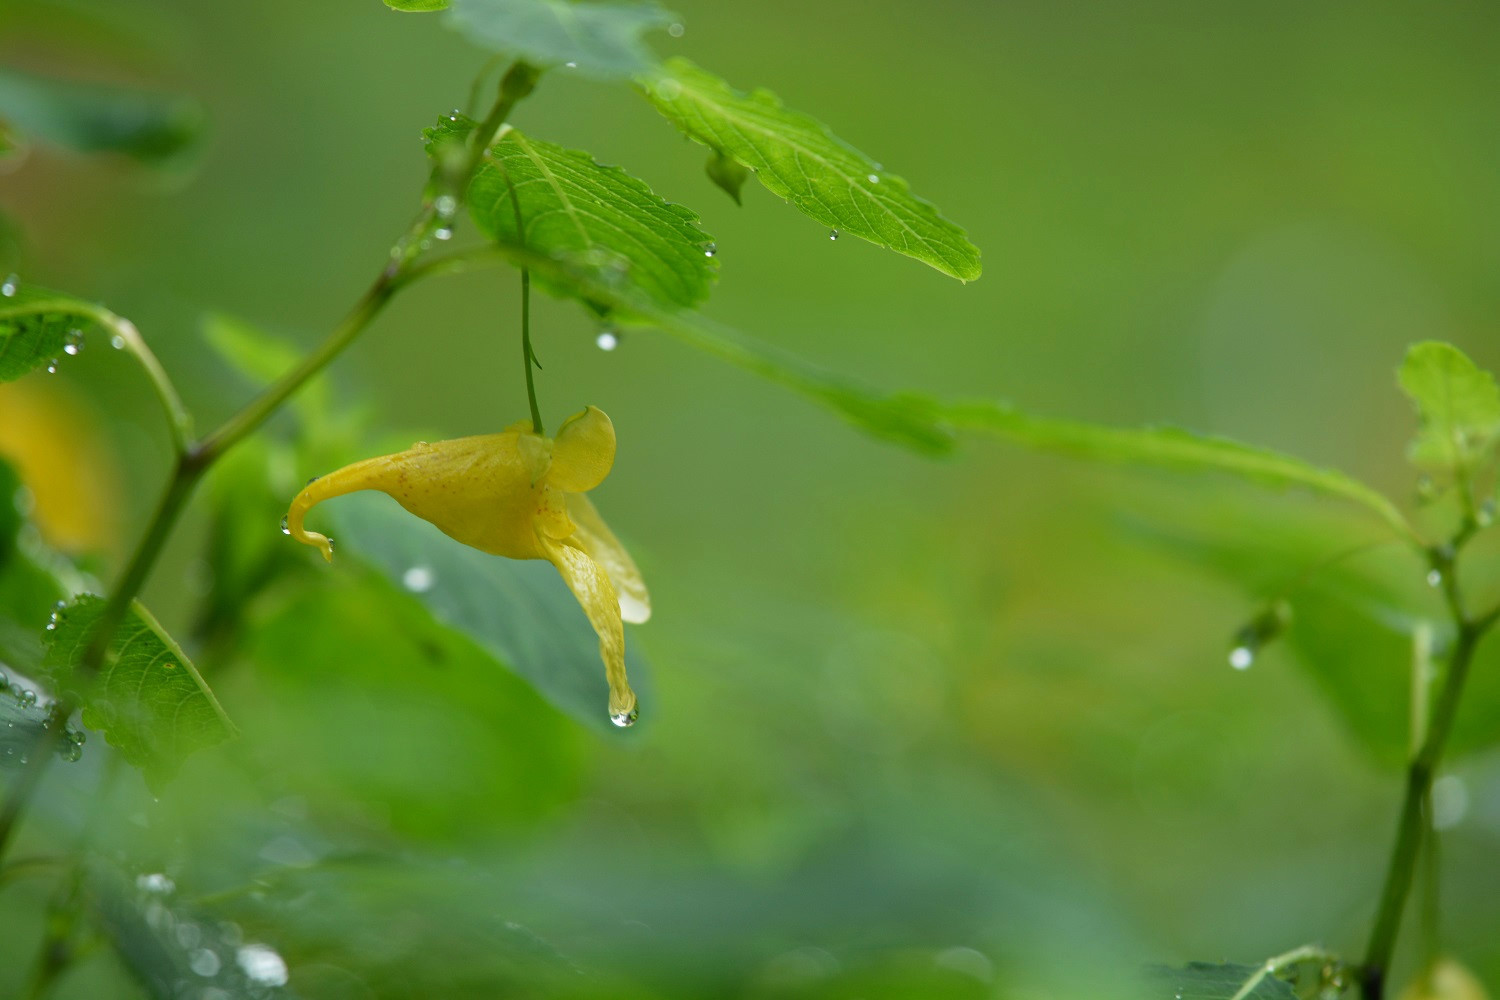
(957, 729)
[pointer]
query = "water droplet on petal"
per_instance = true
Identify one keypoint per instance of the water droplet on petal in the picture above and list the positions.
(330, 543)
(9, 287)
(313, 480)
(418, 579)
(1241, 657)
(73, 344)
(1434, 578)
(675, 30)
(833, 234)
(625, 719)
(607, 340)
(285, 529)
(711, 250)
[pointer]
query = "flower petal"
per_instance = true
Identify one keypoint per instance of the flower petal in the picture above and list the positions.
(594, 537)
(590, 584)
(477, 490)
(583, 452)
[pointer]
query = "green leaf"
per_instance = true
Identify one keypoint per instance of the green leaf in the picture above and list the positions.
(417, 6)
(1205, 981)
(29, 589)
(1167, 447)
(1458, 406)
(601, 40)
(519, 612)
(797, 158)
(36, 325)
(89, 118)
(148, 698)
(573, 207)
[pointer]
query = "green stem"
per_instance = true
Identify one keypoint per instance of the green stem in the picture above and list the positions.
(528, 357)
(193, 460)
(1413, 819)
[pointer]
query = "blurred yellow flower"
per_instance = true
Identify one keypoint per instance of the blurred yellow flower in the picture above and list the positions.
(519, 495)
(53, 437)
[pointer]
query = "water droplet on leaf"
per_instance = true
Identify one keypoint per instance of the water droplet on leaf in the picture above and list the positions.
(607, 340)
(833, 234)
(1241, 657)
(675, 30)
(873, 178)
(117, 342)
(205, 963)
(52, 367)
(445, 233)
(418, 579)
(446, 205)
(73, 344)
(262, 964)
(1434, 578)
(155, 882)
(9, 287)
(711, 250)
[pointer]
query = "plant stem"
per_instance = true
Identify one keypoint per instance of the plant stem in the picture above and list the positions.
(1414, 820)
(193, 460)
(528, 358)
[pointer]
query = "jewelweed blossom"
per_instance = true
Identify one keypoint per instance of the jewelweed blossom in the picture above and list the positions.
(519, 495)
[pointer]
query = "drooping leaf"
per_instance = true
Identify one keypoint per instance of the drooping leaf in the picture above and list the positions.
(1206, 981)
(417, 6)
(797, 158)
(575, 208)
(148, 698)
(1356, 610)
(520, 612)
(1458, 406)
(601, 40)
(90, 118)
(1167, 447)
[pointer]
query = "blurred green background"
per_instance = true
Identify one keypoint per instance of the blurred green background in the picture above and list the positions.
(918, 729)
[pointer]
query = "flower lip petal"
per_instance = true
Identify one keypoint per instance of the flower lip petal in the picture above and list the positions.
(594, 537)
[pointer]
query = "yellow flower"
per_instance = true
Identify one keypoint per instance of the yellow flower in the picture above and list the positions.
(519, 495)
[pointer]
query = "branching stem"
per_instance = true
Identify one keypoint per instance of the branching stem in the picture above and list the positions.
(1415, 821)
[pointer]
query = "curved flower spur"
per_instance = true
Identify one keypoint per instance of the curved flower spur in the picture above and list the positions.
(519, 495)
